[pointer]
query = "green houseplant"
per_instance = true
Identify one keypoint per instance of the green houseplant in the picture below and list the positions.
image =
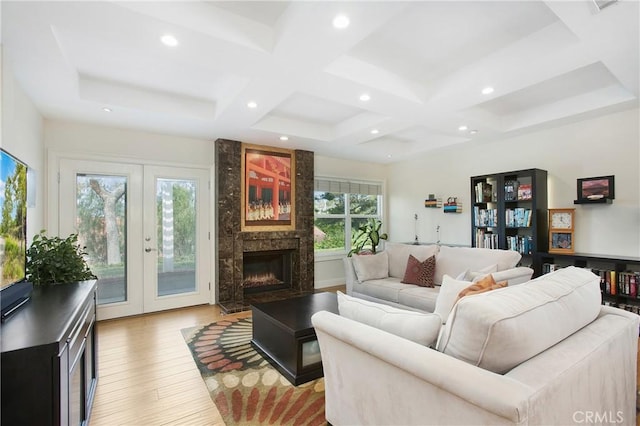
(368, 235)
(54, 260)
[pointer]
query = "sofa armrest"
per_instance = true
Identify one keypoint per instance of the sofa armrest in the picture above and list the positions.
(417, 384)
(349, 274)
(514, 276)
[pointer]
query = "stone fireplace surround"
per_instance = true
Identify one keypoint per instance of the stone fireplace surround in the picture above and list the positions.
(232, 243)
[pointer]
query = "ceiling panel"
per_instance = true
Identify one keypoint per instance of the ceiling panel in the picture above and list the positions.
(422, 64)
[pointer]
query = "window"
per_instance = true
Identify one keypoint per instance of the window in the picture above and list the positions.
(340, 207)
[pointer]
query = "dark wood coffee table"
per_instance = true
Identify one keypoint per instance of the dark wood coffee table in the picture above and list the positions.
(282, 331)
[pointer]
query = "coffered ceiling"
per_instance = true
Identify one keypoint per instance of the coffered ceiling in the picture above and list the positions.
(423, 65)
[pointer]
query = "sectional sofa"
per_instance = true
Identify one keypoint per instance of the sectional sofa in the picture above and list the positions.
(545, 352)
(379, 277)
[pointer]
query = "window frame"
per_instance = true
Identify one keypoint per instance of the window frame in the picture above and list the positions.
(346, 215)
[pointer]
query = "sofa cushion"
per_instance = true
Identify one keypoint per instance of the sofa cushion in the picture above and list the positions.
(385, 288)
(448, 295)
(420, 273)
(371, 266)
(422, 298)
(500, 329)
(415, 326)
(399, 253)
(455, 260)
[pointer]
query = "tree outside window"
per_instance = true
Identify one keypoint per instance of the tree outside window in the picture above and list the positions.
(338, 216)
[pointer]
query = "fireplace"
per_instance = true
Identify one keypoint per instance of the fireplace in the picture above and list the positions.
(233, 244)
(266, 271)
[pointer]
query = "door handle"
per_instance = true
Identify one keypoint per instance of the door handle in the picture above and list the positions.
(149, 249)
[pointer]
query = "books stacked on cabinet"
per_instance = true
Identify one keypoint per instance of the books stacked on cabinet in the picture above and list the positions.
(521, 244)
(486, 239)
(485, 217)
(518, 218)
(484, 192)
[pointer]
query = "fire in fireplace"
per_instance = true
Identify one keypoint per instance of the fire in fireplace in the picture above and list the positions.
(266, 270)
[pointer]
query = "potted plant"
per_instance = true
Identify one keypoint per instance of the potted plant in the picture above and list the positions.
(368, 235)
(54, 260)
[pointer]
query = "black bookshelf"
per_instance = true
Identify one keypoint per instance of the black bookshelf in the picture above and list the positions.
(519, 195)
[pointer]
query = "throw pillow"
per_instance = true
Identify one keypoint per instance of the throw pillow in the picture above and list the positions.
(371, 267)
(420, 273)
(485, 284)
(415, 326)
(448, 295)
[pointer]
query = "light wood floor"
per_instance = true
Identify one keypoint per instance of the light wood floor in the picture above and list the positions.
(147, 375)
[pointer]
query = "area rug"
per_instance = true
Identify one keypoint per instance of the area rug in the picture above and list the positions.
(243, 385)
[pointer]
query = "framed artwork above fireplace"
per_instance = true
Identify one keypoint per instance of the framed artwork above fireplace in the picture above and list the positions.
(268, 189)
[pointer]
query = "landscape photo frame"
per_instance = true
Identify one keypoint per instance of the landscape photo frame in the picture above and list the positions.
(594, 188)
(268, 188)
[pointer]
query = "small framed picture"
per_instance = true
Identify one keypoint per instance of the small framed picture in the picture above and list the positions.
(596, 188)
(561, 242)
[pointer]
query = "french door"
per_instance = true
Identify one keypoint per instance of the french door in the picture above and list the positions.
(145, 230)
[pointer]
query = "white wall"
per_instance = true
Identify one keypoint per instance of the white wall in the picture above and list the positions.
(329, 270)
(22, 137)
(608, 145)
(65, 139)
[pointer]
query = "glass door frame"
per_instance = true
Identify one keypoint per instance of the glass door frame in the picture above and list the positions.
(69, 169)
(200, 295)
(56, 225)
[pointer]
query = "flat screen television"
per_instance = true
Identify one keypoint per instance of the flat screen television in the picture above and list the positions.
(14, 288)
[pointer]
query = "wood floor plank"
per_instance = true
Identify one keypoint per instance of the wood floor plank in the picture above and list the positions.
(146, 375)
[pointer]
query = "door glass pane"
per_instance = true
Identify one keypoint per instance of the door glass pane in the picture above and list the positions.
(176, 207)
(101, 223)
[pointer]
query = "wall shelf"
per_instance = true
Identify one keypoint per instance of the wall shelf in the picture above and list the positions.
(598, 201)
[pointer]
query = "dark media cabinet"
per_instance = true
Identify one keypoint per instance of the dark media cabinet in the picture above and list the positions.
(49, 357)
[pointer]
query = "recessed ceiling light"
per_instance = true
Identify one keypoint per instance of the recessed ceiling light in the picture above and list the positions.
(487, 90)
(169, 40)
(252, 104)
(284, 138)
(473, 132)
(375, 131)
(462, 128)
(341, 21)
(365, 97)
(389, 155)
(106, 109)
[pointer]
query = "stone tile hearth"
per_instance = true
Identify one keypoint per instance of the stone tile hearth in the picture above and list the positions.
(232, 243)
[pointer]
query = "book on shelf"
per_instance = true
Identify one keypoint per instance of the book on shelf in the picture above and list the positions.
(518, 217)
(521, 244)
(486, 239)
(524, 191)
(510, 190)
(432, 202)
(485, 217)
(484, 192)
(614, 283)
(452, 206)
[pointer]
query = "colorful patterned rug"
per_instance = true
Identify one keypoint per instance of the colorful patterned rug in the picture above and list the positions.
(243, 385)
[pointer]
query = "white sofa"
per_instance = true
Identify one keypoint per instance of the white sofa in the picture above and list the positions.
(384, 284)
(541, 353)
